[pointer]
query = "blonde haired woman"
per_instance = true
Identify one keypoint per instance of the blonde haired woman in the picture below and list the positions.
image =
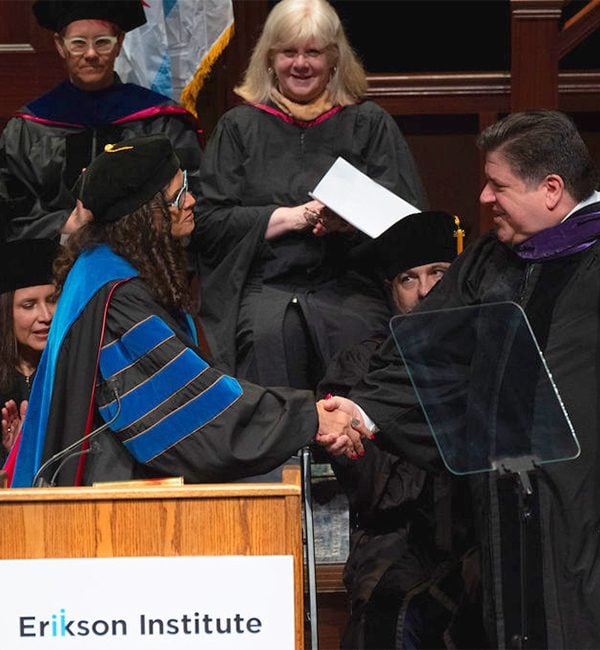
(278, 298)
(297, 22)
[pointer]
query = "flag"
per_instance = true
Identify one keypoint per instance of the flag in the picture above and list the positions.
(175, 50)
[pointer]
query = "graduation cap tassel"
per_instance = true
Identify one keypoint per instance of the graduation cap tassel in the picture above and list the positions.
(459, 233)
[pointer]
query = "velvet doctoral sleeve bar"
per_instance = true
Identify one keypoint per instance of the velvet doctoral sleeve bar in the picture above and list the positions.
(115, 355)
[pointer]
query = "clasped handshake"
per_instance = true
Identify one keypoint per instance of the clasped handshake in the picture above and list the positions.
(341, 427)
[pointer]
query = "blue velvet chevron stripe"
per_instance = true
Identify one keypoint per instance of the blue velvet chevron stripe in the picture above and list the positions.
(139, 340)
(185, 420)
(168, 392)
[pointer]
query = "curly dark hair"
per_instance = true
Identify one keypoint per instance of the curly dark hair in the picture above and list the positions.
(144, 239)
(9, 354)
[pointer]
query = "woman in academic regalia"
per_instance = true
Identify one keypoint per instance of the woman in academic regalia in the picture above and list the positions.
(27, 303)
(277, 295)
(122, 356)
(50, 139)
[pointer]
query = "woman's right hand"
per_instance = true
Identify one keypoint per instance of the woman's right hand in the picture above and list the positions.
(295, 219)
(329, 222)
(341, 427)
(12, 419)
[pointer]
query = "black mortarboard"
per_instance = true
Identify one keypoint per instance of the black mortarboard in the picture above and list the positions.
(26, 263)
(57, 14)
(418, 239)
(126, 175)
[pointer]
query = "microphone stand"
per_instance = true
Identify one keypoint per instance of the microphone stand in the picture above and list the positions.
(72, 450)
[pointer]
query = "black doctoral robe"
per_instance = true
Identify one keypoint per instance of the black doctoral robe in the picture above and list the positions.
(561, 298)
(47, 144)
(408, 532)
(117, 356)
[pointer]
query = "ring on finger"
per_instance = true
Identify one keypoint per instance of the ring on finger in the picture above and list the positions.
(310, 216)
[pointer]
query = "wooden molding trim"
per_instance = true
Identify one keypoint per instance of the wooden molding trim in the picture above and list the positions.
(580, 82)
(16, 48)
(329, 579)
(440, 93)
(450, 83)
(579, 27)
(471, 92)
(536, 9)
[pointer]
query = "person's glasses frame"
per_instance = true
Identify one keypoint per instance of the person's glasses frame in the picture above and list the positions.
(179, 201)
(292, 53)
(101, 44)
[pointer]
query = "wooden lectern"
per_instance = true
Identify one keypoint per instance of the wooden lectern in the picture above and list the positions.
(209, 519)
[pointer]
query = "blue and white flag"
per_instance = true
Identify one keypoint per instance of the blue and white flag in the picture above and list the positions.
(175, 50)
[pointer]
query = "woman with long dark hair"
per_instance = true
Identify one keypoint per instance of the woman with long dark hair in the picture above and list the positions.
(124, 391)
(27, 302)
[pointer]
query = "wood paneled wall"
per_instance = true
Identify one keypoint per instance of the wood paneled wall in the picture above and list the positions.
(29, 63)
(440, 113)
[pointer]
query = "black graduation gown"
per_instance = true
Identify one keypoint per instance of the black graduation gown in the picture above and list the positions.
(44, 148)
(175, 414)
(254, 162)
(408, 532)
(562, 300)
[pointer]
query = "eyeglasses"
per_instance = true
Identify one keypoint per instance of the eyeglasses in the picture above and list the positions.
(290, 53)
(101, 44)
(179, 200)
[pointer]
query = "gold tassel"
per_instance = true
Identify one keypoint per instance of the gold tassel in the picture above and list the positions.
(459, 233)
(190, 92)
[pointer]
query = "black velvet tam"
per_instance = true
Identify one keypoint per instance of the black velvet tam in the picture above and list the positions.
(57, 14)
(26, 263)
(126, 175)
(418, 239)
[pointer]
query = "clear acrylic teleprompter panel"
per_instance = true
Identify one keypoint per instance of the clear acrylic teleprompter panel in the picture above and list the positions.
(484, 386)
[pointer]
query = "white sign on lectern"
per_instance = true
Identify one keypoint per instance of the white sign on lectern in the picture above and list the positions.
(149, 603)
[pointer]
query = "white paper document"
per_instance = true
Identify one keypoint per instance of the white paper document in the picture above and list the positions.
(360, 200)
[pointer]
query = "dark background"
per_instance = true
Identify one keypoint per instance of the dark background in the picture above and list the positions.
(442, 35)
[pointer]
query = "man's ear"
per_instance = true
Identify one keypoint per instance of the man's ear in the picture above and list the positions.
(59, 45)
(555, 189)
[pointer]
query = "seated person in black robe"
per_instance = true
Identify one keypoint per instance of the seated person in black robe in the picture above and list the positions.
(277, 296)
(51, 139)
(403, 572)
(27, 302)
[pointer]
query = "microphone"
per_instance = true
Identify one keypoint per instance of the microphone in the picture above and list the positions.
(73, 449)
